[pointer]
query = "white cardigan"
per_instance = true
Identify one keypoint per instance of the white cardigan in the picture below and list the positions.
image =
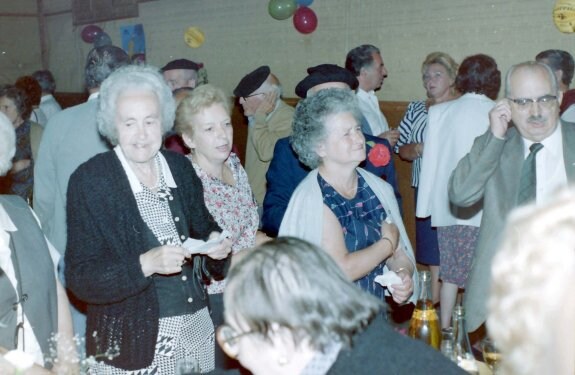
(304, 214)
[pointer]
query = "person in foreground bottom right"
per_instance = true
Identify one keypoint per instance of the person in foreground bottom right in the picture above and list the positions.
(532, 304)
(284, 317)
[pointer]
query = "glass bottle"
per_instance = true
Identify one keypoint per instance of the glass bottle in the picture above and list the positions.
(424, 323)
(447, 343)
(461, 346)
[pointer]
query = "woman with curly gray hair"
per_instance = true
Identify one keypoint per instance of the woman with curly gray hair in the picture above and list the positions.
(347, 211)
(129, 212)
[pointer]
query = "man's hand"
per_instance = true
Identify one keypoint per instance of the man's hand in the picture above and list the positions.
(499, 118)
(268, 103)
(392, 136)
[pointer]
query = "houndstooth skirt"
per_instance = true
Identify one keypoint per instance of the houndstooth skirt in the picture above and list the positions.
(179, 337)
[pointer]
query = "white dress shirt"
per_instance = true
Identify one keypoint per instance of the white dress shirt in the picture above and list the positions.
(550, 166)
(369, 106)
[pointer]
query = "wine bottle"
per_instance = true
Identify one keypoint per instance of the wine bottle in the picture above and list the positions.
(424, 324)
(461, 346)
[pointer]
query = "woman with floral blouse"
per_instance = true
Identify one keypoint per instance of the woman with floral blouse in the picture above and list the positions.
(203, 120)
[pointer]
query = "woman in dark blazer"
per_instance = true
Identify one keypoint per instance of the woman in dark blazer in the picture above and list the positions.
(129, 212)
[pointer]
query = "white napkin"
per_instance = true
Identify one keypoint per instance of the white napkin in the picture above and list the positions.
(195, 246)
(387, 279)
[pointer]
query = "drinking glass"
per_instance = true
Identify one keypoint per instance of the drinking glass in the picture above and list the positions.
(491, 354)
(447, 343)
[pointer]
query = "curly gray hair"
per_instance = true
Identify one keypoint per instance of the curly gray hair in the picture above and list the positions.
(309, 121)
(132, 77)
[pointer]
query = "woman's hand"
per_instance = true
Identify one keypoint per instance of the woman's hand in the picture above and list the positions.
(163, 260)
(221, 250)
(20, 165)
(262, 238)
(390, 231)
(402, 292)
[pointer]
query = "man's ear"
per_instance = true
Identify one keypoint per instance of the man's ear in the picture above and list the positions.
(559, 97)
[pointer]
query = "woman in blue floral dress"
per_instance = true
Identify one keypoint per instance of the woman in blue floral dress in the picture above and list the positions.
(350, 213)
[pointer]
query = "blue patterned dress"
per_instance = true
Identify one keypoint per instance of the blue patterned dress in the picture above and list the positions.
(360, 218)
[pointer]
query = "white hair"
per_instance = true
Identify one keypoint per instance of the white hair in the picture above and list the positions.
(7, 144)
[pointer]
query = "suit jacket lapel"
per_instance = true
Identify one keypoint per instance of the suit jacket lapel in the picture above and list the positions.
(568, 132)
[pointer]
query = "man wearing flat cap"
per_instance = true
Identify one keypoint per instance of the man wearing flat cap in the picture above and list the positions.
(269, 119)
(286, 171)
(181, 73)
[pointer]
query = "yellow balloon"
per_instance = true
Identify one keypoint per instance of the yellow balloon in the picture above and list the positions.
(564, 15)
(194, 37)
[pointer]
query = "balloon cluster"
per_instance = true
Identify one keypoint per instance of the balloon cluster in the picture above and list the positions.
(304, 18)
(94, 34)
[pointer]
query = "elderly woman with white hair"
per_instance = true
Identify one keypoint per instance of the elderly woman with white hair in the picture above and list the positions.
(349, 212)
(129, 211)
(33, 304)
(283, 317)
(532, 304)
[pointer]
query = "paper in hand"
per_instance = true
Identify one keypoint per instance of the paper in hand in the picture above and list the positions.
(194, 246)
(388, 279)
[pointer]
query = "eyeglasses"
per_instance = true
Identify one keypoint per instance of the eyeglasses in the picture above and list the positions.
(546, 101)
(433, 75)
(249, 96)
(228, 339)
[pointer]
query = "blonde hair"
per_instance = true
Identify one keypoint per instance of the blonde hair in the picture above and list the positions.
(201, 98)
(442, 59)
(533, 274)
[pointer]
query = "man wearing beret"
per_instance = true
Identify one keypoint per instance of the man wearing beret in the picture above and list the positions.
(181, 73)
(286, 172)
(269, 119)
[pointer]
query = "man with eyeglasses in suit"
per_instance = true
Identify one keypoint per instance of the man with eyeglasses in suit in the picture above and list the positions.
(524, 128)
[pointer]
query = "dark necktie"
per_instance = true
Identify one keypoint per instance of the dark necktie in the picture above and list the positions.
(528, 183)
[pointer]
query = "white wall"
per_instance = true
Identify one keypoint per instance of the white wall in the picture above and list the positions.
(240, 35)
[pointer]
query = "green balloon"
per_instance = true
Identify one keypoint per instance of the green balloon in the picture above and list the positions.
(282, 9)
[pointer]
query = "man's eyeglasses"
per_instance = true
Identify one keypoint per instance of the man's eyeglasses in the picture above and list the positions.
(228, 339)
(546, 101)
(249, 96)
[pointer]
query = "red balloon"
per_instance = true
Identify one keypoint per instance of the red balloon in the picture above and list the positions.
(90, 32)
(305, 20)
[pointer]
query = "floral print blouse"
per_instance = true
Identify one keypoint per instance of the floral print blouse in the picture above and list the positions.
(233, 207)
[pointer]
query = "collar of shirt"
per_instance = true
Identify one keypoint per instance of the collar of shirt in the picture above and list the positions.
(552, 145)
(366, 94)
(94, 95)
(323, 361)
(6, 225)
(134, 182)
(45, 98)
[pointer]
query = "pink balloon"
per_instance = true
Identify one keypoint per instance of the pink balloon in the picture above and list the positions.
(90, 32)
(305, 20)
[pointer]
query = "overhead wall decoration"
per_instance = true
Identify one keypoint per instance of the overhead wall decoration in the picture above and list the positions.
(303, 17)
(92, 11)
(564, 15)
